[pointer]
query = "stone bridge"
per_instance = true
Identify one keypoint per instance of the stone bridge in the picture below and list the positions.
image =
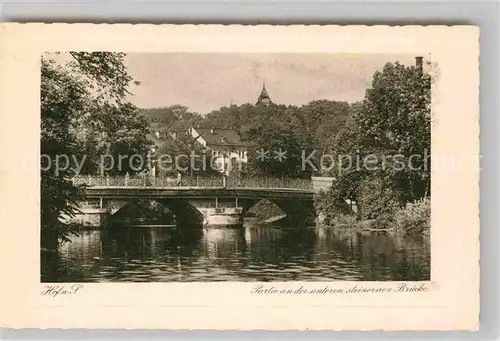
(215, 202)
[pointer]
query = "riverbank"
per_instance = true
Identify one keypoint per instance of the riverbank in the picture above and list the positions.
(364, 225)
(413, 219)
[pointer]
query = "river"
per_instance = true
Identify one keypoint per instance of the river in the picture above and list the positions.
(148, 254)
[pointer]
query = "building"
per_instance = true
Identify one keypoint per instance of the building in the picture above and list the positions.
(264, 97)
(225, 147)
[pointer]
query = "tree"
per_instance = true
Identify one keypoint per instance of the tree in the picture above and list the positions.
(234, 117)
(61, 98)
(265, 128)
(76, 89)
(110, 135)
(276, 129)
(392, 126)
(346, 151)
(323, 120)
(394, 121)
(173, 118)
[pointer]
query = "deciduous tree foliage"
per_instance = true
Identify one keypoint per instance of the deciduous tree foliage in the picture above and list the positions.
(265, 128)
(172, 118)
(235, 116)
(61, 98)
(391, 124)
(84, 112)
(110, 133)
(322, 120)
(395, 121)
(276, 129)
(293, 129)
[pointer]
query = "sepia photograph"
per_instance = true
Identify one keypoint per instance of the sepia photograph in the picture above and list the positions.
(239, 177)
(236, 167)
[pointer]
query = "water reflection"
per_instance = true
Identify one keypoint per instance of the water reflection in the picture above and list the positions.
(246, 254)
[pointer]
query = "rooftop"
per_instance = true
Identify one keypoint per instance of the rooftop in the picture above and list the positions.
(216, 136)
(264, 96)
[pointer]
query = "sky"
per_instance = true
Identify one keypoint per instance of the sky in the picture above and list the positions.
(206, 82)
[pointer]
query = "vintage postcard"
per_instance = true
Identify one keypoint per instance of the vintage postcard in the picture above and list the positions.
(239, 177)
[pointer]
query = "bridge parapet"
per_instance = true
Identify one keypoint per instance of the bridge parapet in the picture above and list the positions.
(193, 182)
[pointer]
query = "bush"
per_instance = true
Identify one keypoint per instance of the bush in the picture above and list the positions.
(415, 218)
(377, 200)
(332, 211)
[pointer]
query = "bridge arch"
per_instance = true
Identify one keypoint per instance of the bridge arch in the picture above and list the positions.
(298, 212)
(184, 214)
(249, 205)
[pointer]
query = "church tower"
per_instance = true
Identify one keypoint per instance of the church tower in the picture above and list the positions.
(264, 97)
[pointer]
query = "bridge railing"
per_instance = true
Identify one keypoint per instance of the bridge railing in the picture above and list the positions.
(269, 182)
(192, 181)
(202, 181)
(125, 181)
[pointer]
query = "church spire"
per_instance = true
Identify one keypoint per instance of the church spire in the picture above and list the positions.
(264, 96)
